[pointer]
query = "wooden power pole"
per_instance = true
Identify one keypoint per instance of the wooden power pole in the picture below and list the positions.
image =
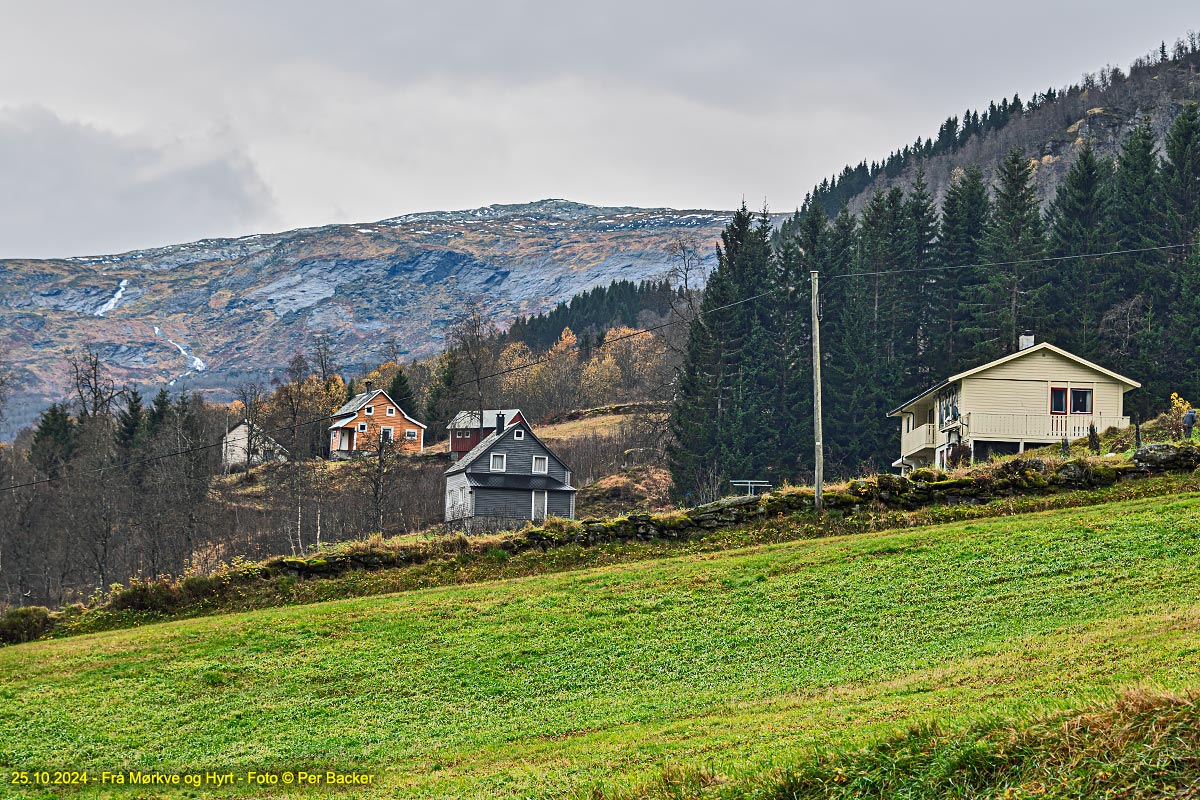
(819, 450)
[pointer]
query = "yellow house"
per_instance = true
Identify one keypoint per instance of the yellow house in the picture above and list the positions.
(1036, 396)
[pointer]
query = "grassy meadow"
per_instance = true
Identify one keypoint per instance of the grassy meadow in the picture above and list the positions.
(739, 662)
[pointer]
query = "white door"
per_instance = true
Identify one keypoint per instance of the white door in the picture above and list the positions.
(539, 504)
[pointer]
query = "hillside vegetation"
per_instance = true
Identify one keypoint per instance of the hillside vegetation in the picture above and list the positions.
(739, 663)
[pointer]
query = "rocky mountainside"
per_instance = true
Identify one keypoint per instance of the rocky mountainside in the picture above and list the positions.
(210, 314)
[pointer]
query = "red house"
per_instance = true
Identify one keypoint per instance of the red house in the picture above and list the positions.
(466, 431)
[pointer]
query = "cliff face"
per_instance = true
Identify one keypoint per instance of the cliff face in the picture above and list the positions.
(210, 314)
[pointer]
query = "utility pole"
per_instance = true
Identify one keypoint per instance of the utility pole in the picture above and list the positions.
(819, 450)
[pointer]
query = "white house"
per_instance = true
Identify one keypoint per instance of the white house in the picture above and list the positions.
(246, 445)
(1039, 395)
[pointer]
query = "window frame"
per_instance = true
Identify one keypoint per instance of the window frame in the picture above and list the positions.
(545, 465)
(503, 462)
(410, 435)
(387, 433)
(518, 434)
(362, 427)
(391, 411)
(1090, 401)
(1066, 395)
(369, 411)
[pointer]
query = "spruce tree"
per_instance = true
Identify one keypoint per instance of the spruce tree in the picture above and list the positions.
(1181, 177)
(131, 421)
(55, 440)
(399, 389)
(1078, 220)
(1014, 245)
(1133, 332)
(960, 249)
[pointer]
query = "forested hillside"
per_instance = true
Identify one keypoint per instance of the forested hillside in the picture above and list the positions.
(1049, 126)
(913, 293)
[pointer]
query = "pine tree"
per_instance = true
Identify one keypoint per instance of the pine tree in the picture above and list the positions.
(1078, 219)
(919, 257)
(960, 248)
(1181, 177)
(716, 427)
(1014, 245)
(1138, 218)
(55, 440)
(1142, 282)
(160, 410)
(399, 389)
(131, 422)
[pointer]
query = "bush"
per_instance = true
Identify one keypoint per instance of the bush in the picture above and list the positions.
(157, 596)
(24, 624)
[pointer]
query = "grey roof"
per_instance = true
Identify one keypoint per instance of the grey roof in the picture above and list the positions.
(360, 400)
(478, 450)
(511, 481)
(470, 419)
(357, 402)
(267, 440)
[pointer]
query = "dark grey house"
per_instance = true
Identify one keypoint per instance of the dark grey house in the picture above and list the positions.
(508, 477)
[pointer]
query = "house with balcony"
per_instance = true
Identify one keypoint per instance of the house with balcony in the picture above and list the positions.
(1037, 396)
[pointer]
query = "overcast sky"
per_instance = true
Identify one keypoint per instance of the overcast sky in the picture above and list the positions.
(133, 124)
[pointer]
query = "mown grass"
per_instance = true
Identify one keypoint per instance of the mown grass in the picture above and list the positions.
(739, 663)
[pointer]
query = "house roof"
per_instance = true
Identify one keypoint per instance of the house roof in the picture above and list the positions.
(356, 404)
(470, 419)
(478, 450)
(267, 440)
(1129, 382)
(501, 480)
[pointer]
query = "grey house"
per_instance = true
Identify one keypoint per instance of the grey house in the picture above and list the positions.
(508, 477)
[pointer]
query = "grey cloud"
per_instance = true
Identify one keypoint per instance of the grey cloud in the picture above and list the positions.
(72, 189)
(371, 108)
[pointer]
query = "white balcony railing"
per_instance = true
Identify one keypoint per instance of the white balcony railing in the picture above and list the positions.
(1043, 427)
(917, 439)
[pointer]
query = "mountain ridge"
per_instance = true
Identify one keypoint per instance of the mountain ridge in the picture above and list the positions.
(211, 313)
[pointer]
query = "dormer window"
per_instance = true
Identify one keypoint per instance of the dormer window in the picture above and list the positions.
(369, 411)
(499, 462)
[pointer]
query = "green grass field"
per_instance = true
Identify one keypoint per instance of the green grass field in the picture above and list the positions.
(737, 662)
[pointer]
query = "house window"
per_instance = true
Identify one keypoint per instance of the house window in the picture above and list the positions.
(1058, 401)
(391, 411)
(1081, 401)
(499, 462)
(369, 411)
(362, 427)
(385, 434)
(518, 434)
(411, 435)
(541, 464)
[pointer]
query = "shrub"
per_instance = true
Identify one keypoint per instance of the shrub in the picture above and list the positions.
(24, 624)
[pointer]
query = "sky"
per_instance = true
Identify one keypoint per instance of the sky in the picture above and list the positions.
(136, 124)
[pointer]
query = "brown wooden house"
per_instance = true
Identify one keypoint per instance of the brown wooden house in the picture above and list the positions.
(359, 425)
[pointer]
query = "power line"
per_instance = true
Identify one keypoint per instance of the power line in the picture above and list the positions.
(210, 445)
(1012, 263)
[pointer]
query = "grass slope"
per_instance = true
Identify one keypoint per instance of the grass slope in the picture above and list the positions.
(743, 661)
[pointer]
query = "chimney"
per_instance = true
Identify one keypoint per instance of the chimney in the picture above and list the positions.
(1026, 340)
(500, 423)
(367, 385)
